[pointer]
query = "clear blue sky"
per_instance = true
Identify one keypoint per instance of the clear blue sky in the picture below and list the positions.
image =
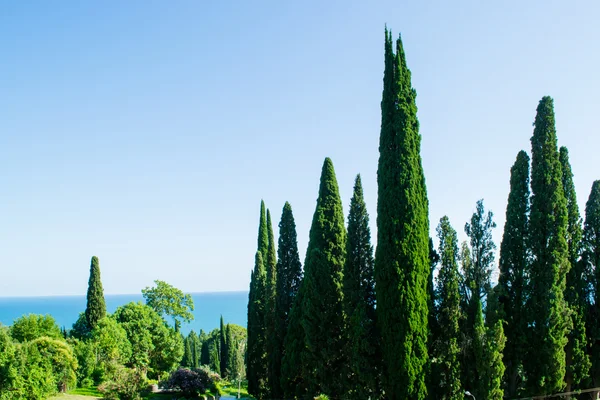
(147, 132)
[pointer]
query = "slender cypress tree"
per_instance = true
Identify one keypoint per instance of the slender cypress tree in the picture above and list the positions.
(96, 306)
(186, 361)
(359, 301)
(293, 380)
(195, 349)
(273, 355)
(255, 360)
(323, 318)
(591, 260)
(548, 229)
(289, 276)
(513, 280)
(578, 361)
(224, 350)
(256, 357)
(402, 254)
(446, 364)
(488, 342)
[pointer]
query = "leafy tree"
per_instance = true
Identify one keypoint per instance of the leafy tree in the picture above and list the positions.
(548, 221)
(577, 359)
(211, 351)
(477, 270)
(256, 358)
(155, 347)
(591, 261)
(402, 254)
(9, 366)
(446, 351)
(479, 231)
(289, 276)
(96, 306)
(59, 356)
(33, 326)
(236, 341)
(323, 318)
(81, 329)
(513, 280)
(359, 300)
(111, 346)
(168, 300)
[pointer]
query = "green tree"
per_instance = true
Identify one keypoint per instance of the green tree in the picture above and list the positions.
(293, 381)
(402, 254)
(9, 366)
(513, 279)
(223, 349)
(156, 347)
(96, 307)
(446, 351)
(591, 261)
(323, 318)
(33, 326)
(477, 270)
(577, 360)
(211, 351)
(111, 346)
(359, 300)
(488, 343)
(256, 358)
(271, 342)
(168, 300)
(289, 276)
(549, 313)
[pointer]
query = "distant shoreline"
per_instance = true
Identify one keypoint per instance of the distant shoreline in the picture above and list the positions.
(111, 294)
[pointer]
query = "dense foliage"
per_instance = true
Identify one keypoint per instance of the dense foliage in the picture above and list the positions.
(402, 255)
(96, 307)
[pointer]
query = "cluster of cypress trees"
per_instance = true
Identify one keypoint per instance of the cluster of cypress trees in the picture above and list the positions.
(547, 286)
(411, 322)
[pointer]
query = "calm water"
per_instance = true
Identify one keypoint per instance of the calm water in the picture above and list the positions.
(208, 308)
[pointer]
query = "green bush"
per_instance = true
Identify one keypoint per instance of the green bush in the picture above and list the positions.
(126, 384)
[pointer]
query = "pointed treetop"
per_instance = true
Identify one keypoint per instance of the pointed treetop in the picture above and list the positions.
(263, 240)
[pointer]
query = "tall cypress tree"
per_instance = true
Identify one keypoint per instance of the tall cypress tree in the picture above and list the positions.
(273, 356)
(402, 254)
(323, 318)
(550, 264)
(488, 342)
(513, 280)
(255, 360)
(446, 365)
(289, 276)
(591, 261)
(359, 301)
(578, 361)
(293, 380)
(96, 306)
(223, 348)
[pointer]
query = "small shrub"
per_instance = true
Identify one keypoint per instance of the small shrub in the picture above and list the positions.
(189, 383)
(322, 397)
(126, 384)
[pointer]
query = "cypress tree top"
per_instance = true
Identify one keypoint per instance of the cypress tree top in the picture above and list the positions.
(96, 306)
(550, 264)
(402, 254)
(322, 318)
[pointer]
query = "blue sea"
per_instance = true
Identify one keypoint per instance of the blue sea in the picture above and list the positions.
(208, 308)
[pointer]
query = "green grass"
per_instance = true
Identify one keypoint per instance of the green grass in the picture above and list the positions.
(231, 389)
(91, 391)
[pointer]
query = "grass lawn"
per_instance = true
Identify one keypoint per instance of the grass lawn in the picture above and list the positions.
(79, 394)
